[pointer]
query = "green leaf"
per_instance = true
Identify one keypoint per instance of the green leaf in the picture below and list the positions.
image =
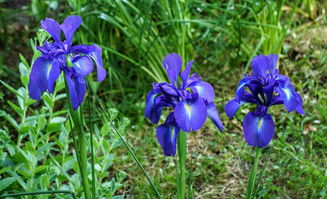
(6, 182)
(23, 60)
(16, 108)
(11, 120)
(23, 74)
(11, 89)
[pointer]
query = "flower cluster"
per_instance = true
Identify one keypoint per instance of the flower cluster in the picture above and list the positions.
(192, 101)
(75, 61)
(264, 87)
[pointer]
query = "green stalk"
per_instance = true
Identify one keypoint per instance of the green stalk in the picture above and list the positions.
(82, 146)
(253, 174)
(182, 148)
(92, 150)
(39, 193)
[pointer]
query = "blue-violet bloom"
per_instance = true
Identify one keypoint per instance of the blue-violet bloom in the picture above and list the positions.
(75, 61)
(192, 101)
(264, 87)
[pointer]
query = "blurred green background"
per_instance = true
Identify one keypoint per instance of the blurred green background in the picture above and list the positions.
(222, 37)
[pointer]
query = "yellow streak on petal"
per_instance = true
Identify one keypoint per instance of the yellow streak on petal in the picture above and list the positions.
(259, 124)
(188, 109)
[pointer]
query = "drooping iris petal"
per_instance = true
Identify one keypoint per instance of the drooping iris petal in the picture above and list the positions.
(52, 27)
(53, 75)
(185, 73)
(94, 52)
(96, 56)
(41, 76)
(69, 27)
(155, 111)
(214, 116)
(190, 115)
(204, 89)
(167, 135)
(289, 97)
(258, 131)
(262, 63)
(152, 94)
(173, 64)
(232, 107)
(77, 89)
(299, 107)
(83, 65)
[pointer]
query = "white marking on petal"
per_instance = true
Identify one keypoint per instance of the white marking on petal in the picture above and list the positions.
(287, 93)
(188, 110)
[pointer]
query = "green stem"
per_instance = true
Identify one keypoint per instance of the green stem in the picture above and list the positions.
(253, 174)
(78, 125)
(182, 148)
(92, 150)
(83, 158)
(39, 193)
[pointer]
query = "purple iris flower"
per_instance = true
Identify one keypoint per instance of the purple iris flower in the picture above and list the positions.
(192, 101)
(264, 87)
(75, 61)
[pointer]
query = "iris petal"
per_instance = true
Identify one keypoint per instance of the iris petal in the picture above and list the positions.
(185, 74)
(167, 135)
(173, 64)
(53, 75)
(52, 27)
(214, 116)
(289, 97)
(152, 94)
(69, 27)
(232, 107)
(169, 90)
(299, 107)
(43, 75)
(191, 115)
(94, 52)
(258, 131)
(262, 63)
(83, 65)
(77, 89)
(204, 89)
(96, 55)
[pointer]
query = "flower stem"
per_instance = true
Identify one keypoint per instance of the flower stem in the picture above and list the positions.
(82, 151)
(182, 148)
(253, 174)
(92, 148)
(78, 125)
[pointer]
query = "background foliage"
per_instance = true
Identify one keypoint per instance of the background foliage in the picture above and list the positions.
(222, 37)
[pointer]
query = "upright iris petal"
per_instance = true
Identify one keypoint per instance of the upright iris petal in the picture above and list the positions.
(261, 64)
(265, 87)
(69, 27)
(52, 27)
(173, 64)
